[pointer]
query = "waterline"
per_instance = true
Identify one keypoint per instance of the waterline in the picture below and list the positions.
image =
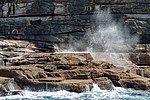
(95, 94)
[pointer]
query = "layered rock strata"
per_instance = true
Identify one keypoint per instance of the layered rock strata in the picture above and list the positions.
(72, 72)
(28, 27)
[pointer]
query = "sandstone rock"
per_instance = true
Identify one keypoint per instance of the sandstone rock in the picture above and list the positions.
(77, 86)
(77, 59)
(64, 70)
(137, 83)
(145, 59)
(69, 17)
(104, 83)
(64, 67)
(104, 65)
(69, 85)
(127, 79)
(115, 75)
(23, 76)
(50, 68)
(51, 79)
(45, 23)
(6, 85)
(81, 76)
(140, 58)
(142, 48)
(146, 71)
(86, 73)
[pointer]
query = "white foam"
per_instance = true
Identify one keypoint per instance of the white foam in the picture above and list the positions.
(95, 94)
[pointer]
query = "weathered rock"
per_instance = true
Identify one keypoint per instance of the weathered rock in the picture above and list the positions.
(51, 79)
(22, 75)
(76, 85)
(6, 85)
(140, 58)
(69, 85)
(48, 22)
(81, 76)
(64, 67)
(50, 68)
(68, 16)
(142, 48)
(145, 70)
(84, 73)
(137, 83)
(116, 74)
(41, 7)
(104, 83)
(70, 71)
(104, 65)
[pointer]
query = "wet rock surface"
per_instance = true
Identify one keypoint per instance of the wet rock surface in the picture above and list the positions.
(72, 72)
(136, 83)
(29, 30)
(7, 84)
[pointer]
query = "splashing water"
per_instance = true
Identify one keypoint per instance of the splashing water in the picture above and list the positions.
(112, 39)
(107, 35)
(95, 94)
(11, 86)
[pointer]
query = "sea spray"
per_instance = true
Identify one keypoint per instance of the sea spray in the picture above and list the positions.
(95, 88)
(104, 35)
(95, 94)
(107, 40)
(87, 87)
(11, 86)
(108, 35)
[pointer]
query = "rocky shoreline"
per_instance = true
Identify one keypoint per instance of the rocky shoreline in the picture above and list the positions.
(29, 30)
(69, 71)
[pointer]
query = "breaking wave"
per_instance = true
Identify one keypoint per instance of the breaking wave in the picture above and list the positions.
(94, 94)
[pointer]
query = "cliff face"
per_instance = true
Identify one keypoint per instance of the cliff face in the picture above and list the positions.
(47, 22)
(28, 27)
(55, 21)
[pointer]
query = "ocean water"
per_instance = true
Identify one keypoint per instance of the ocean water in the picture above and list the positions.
(94, 94)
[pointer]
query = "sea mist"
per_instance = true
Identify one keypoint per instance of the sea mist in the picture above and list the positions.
(108, 35)
(107, 39)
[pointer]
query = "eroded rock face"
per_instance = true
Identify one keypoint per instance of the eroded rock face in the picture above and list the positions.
(34, 70)
(69, 71)
(138, 84)
(104, 83)
(127, 79)
(6, 85)
(45, 23)
(66, 70)
(23, 76)
(142, 59)
(68, 17)
(41, 7)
